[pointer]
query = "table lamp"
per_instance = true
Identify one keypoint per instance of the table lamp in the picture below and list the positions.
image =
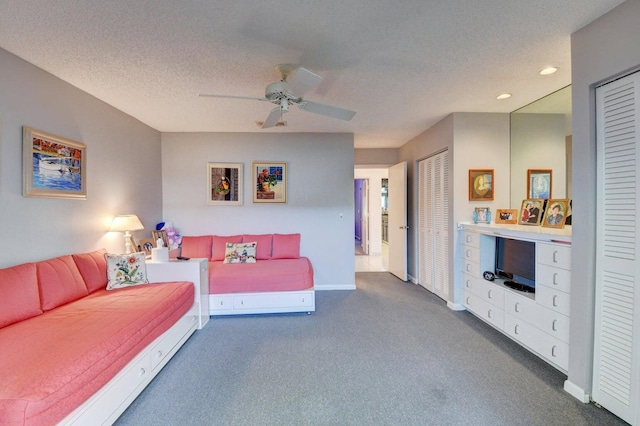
(126, 223)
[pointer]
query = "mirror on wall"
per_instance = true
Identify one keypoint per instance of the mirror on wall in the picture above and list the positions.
(541, 141)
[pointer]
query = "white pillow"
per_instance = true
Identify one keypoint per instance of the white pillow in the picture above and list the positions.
(126, 270)
(240, 252)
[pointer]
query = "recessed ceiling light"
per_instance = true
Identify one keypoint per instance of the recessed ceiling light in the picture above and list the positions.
(503, 96)
(548, 71)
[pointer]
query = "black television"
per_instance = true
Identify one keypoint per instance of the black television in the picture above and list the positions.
(516, 263)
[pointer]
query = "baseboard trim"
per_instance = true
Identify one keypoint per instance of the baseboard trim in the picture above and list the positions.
(456, 306)
(412, 279)
(576, 392)
(336, 287)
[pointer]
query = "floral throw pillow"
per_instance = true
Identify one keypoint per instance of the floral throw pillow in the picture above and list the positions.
(240, 252)
(125, 270)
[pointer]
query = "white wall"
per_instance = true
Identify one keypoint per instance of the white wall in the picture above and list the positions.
(374, 177)
(534, 137)
(605, 49)
(320, 189)
(122, 167)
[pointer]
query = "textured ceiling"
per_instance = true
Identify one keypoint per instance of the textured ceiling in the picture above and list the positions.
(401, 65)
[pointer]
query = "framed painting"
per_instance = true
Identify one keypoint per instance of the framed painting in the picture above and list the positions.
(269, 182)
(507, 216)
(480, 185)
(539, 183)
(224, 184)
(53, 166)
(556, 213)
(481, 215)
(531, 211)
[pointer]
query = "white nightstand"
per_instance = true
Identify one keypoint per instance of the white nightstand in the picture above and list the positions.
(195, 270)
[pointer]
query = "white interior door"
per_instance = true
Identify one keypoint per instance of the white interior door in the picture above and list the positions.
(398, 220)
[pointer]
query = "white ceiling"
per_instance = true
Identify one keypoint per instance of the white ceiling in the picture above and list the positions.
(402, 65)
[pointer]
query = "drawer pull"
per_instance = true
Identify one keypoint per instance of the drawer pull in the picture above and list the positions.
(468, 253)
(489, 313)
(555, 278)
(468, 238)
(553, 351)
(468, 302)
(159, 354)
(553, 325)
(555, 256)
(468, 267)
(554, 302)
(517, 307)
(142, 372)
(515, 329)
(468, 283)
(489, 294)
(303, 300)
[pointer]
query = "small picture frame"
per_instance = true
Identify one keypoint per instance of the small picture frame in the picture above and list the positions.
(539, 183)
(556, 214)
(481, 215)
(269, 182)
(160, 234)
(146, 244)
(507, 216)
(224, 184)
(531, 212)
(480, 184)
(134, 246)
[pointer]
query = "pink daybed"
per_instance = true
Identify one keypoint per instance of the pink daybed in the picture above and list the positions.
(279, 281)
(76, 353)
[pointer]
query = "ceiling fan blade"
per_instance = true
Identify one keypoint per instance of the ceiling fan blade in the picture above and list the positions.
(252, 98)
(273, 118)
(301, 80)
(328, 110)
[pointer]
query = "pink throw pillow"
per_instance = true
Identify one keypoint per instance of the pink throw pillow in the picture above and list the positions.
(93, 268)
(19, 297)
(263, 251)
(286, 246)
(220, 245)
(59, 281)
(196, 246)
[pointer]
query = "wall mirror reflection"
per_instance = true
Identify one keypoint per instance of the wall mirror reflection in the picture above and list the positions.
(541, 140)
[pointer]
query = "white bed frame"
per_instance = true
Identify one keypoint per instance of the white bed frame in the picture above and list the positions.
(262, 303)
(106, 405)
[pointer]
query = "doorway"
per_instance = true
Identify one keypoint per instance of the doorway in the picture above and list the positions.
(376, 258)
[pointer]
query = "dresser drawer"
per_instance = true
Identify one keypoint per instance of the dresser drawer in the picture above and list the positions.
(553, 277)
(484, 310)
(485, 290)
(545, 319)
(554, 255)
(550, 348)
(221, 302)
(553, 299)
(168, 341)
(471, 239)
(471, 268)
(471, 253)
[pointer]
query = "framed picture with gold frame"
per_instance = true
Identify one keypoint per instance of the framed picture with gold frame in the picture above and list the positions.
(146, 244)
(480, 184)
(531, 211)
(507, 216)
(556, 214)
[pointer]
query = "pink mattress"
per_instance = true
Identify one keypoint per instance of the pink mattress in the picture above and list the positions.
(52, 363)
(262, 276)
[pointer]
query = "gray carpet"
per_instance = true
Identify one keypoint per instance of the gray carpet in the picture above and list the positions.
(389, 353)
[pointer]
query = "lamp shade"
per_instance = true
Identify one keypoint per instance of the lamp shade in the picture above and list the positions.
(126, 222)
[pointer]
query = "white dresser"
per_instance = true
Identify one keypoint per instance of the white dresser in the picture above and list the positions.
(539, 321)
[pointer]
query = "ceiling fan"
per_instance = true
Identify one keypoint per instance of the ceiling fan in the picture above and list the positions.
(295, 82)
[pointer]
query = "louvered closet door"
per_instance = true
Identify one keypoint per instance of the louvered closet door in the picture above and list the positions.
(434, 224)
(616, 381)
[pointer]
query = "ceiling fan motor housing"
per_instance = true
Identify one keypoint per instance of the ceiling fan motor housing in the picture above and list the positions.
(277, 91)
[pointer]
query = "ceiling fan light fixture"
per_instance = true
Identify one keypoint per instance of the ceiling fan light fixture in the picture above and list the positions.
(548, 70)
(281, 123)
(503, 96)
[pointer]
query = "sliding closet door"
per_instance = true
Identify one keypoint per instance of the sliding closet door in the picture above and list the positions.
(616, 380)
(433, 235)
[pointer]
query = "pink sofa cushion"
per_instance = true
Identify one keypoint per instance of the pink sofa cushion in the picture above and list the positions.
(93, 268)
(19, 296)
(59, 281)
(286, 246)
(263, 251)
(53, 363)
(219, 245)
(196, 246)
(267, 276)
